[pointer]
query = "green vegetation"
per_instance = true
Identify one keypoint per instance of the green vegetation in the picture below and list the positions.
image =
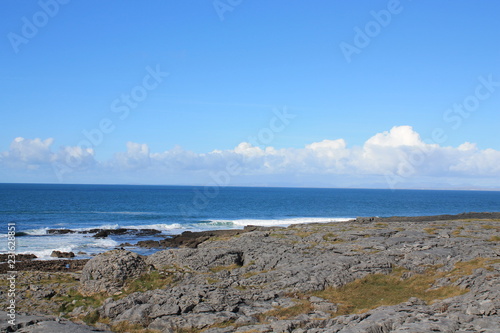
(91, 318)
(149, 281)
(74, 300)
(329, 236)
(494, 239)
(377, 290)
(302, 306)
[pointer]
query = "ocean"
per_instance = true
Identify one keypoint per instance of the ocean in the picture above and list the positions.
(36, 208)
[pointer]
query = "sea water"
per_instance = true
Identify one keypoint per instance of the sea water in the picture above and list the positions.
(36, 208)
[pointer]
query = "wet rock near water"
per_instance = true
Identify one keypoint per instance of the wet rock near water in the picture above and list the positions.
(18, 257)
(59, 254)
(191, 239)
(103, 233)
(61, 265)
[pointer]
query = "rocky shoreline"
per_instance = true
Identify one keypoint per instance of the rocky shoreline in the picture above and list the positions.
(397, 274)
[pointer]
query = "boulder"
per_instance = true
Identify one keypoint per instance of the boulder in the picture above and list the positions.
(108, 272)
(59, 254)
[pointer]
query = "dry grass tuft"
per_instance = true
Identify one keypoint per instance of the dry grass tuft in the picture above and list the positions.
(430, 231)
(126, 327)
(224, 268)
(378, 290)
(302, 306)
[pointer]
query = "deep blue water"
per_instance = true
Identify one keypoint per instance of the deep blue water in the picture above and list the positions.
(34, 208)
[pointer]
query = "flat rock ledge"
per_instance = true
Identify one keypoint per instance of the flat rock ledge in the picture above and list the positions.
(284, 280)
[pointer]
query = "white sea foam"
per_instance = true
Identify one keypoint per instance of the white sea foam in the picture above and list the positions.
(160, 226)
(36, 232)
(104, 226)
(103, 242)
(277, 222)
(45, 253)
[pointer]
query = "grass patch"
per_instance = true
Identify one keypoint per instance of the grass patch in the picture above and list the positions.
(212, 281)
(491, 227)
(217, 269)
(430, 231)
(329, 236)
(457, 232)
(378, 290)
(91, 318)
(494, 239)
(224, 324)
(74, 300)
(381, 224)
(480, 220)
(252, 262)
(60, 278)
(149, 281)
(241, 288)
(302, 306)
(304, 234)
(465, 268)
(126, 327)
(250, 274)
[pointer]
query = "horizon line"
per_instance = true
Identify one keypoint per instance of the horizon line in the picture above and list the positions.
(264, 186)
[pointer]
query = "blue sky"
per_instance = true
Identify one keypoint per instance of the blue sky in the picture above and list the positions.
(231, 69)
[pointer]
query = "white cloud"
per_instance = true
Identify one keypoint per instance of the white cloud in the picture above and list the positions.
(37, 154)
(136, 157)
(399, 153)
(75, 157)
(398, 136)
(26, 153)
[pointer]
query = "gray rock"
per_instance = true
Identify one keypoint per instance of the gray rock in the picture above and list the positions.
(42, 324)
(236, 280)
(59, 254)
(59, 327)
(108, 272)
(195, 259)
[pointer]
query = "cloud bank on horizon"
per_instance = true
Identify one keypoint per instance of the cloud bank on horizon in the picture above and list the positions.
(398, 158)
